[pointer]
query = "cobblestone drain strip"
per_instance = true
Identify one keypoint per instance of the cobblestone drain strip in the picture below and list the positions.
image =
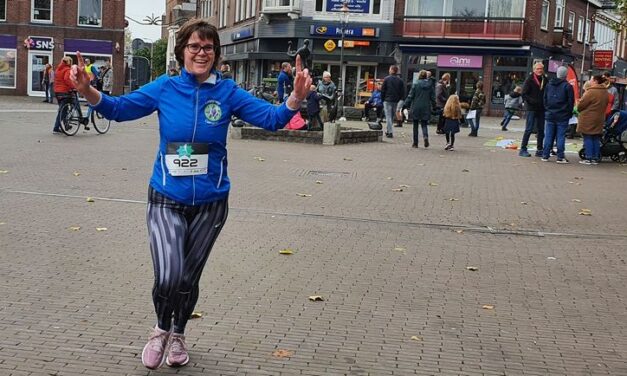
(441, 226)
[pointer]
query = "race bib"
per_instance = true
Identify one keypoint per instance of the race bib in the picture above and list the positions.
(187, 159)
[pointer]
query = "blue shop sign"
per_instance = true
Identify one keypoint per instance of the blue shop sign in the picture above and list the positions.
(354, 6)
(334, 31)
(39, 43)
(247, 32)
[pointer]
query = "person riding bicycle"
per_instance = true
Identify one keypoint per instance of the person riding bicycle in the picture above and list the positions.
(189, 189)
(63, 87)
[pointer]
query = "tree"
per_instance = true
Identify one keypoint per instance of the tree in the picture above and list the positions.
(158, 62)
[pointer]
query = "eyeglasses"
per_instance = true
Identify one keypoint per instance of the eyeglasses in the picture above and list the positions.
(195, 48)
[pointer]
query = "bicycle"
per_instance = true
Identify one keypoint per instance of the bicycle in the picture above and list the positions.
(73, 118)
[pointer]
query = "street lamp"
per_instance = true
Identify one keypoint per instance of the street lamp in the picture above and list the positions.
(343, 23)
(152, 42)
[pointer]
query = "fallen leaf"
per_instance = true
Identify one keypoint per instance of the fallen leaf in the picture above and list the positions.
(76, 173)
(421, 164)
(316, 298)
(195, 315)
(453, 199)
(403, 186)
(512, 224)
(4, 172)
(75, 228)
(416, 338)
(459, 231)
(487, 306)
(101, 229)
(390, 178)
(282, 353)
(286, 251)
(303, 195)
(578, 178)
(318, 182)
(400, 249)
(465, 170)
(551, 258)
(575, 200)
(571, 182)
(585, 212)
(259, 159)
(2, 223)
(89, 199)
(472, 268)
(397, 190)
(432, 184)
(523, 202)
(534, 162)
(348, 159)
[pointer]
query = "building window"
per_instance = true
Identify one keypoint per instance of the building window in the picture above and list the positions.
(3, 10)
(571, 23)
(204, 9)
(509, 72)
(359, 7)
(559, 14)
(587, 36)
(41, 11)
(544, 18)
(90, 13)
(465, 8)
(580, 29)
(8, 64)
(506, 8)
(223, 12)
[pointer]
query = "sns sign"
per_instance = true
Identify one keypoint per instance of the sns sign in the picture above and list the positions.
(39, 43)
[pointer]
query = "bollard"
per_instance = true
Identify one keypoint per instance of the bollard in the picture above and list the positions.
(331, 134)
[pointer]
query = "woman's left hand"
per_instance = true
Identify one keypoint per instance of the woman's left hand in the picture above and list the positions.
(302, 81)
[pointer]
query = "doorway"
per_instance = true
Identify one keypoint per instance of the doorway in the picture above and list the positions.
(37, 61)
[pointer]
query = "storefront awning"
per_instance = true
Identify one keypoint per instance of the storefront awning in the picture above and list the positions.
(465, 49)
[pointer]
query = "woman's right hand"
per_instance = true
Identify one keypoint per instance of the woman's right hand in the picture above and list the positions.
(78, 76)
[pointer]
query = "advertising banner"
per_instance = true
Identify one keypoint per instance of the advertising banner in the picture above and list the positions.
(571, 77)
(354, 6)
(7, 68)
(603, 59)
(460, 61)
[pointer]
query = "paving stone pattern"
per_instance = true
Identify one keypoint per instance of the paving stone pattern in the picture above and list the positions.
(391, 266)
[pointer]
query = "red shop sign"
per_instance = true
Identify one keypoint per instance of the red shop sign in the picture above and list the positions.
(603, 59)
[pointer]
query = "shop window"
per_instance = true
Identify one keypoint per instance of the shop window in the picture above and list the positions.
(41, 11)
(559, 14)
(587, 32)
(7, 68)
(544, 17)
(3, 10)
(506, 8)
(504, 82)
(223, 13)
(90, 13)
(571, 23)
(510, 61)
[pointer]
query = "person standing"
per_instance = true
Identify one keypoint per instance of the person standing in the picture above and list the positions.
(46, 83)
(614, 95)
(420, 101)
(441, 96)
(559, 100)
(189, 189)
(476, 104)
(513, 103)
(63, 87)
(452, 117)
(284, 82)
(591, 119)
(313, 110)
(107, 78)
(326, 88)
(533, 95)
(392, 91)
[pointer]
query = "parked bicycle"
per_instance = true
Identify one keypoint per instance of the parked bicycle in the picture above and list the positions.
(73, 118)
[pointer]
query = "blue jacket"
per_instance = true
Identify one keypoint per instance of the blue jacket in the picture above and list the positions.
(375, 98)
(284, 85)
(193, 112)
(559, 100)
(313, 103)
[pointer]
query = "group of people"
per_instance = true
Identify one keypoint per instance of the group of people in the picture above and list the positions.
(550, 106)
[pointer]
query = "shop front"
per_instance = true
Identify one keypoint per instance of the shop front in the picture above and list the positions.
(8, 62)
(40, 50)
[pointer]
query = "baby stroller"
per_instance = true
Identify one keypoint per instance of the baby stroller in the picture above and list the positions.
(614, 138)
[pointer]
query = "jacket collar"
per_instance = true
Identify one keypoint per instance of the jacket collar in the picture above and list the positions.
(213, 79)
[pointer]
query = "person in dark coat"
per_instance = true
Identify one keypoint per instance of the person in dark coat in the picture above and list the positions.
(392, 91)
(559, 100)
(441, 96)
(533, 95)
(420, 101)
(313, 109)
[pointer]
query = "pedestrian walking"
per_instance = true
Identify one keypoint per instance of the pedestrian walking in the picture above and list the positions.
(420, 101)
(476, 105)
(513, 104)
(591, 119)
(63, 87)
(533, 95)
(392, 91)
(441, 96)
(452, 115)
(614, 104)
(559, 100)
(189, 189)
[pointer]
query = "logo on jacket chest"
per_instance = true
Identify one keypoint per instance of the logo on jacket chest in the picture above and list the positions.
(213, 111)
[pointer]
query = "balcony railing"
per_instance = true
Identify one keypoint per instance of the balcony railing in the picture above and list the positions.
(461, 27)
(281, 6)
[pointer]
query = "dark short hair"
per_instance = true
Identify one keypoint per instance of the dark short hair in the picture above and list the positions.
(205, 31)
(599, 79)
(607, 74)
(394, 68)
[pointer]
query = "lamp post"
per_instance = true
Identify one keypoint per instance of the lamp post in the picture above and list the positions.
(343, 23)
(152, 42)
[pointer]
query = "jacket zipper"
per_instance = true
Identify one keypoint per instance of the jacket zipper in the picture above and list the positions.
(193, 138)
(221, 171)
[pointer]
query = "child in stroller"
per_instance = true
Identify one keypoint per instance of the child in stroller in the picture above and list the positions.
(614, 139)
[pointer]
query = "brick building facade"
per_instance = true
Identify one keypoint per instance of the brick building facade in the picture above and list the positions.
(33, 34)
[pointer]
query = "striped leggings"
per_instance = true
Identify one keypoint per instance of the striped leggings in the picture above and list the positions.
(181, 238)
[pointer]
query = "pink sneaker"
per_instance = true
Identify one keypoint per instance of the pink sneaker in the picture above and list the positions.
(177, 354)
(154, 352)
